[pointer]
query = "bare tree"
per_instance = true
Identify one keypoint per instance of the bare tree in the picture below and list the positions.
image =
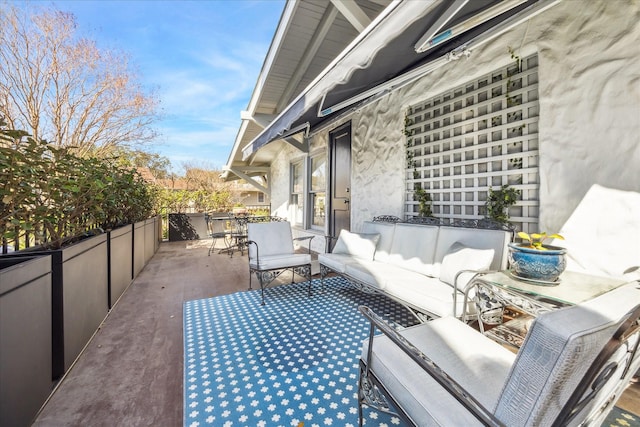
(203, 177)
(62, 88)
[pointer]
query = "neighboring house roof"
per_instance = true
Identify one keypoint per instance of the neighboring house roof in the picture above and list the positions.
(403, 40)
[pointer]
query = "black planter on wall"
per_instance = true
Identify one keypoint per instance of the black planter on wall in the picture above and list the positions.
(83, 296)
(79, 296)
(25, 338)
(47, 319)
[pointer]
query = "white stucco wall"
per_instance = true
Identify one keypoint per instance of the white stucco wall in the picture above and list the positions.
(589, 130)
(589, 86)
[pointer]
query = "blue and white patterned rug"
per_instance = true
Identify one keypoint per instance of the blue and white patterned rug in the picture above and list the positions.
(292, 361)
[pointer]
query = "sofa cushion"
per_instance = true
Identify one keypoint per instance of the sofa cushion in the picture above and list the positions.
(386, 231)
(359, 245)
(460, 257)
(336, 262)
(378, 274)
(428, 294)
(413, 248)
(473, 238)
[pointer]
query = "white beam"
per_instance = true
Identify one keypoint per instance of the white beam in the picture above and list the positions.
(261, 120)
(251, 181)
(352, 12)
(261, 169)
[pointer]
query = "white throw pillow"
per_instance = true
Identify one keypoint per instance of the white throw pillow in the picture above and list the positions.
(359, 245)
(459, 257)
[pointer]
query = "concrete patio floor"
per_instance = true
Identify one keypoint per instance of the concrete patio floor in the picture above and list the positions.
(131, 372)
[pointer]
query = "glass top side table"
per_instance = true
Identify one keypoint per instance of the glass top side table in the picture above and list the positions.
(494, 292)
(571, 289)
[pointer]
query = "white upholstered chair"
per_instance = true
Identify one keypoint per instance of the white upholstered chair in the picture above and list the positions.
(271, 252)
(570, 370)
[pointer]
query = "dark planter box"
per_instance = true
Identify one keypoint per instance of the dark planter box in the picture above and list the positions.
(25, 338)
(83, 296)
(79, 296)
(120, 242)
(187, 227)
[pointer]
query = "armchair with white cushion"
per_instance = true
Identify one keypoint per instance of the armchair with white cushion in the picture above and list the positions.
(570, 370)
(271, 253)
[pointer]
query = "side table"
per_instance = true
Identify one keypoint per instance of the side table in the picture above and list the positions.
(495, 291)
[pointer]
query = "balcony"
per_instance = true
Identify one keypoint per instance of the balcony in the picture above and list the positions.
(131, 372)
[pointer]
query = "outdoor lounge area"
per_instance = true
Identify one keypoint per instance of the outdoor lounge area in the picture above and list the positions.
(449, 235)
(131, 373)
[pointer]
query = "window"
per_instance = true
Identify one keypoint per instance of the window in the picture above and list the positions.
(317, 190)
(260, 197)
(296, 206)
(480, 135)
(308, 192)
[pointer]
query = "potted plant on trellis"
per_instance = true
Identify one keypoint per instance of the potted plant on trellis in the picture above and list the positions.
(499, 201)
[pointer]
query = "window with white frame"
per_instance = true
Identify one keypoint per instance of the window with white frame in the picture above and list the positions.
(480, 135)
(260, 197)
(296, 204)
(317, 190)
(308, 192)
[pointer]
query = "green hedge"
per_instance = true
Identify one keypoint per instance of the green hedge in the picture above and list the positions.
(51, 196)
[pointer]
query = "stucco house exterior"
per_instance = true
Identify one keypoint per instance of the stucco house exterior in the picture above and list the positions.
(454, 96)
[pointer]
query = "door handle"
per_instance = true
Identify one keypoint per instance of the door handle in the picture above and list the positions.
(346, 201)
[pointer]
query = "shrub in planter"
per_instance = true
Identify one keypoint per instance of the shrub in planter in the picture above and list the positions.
(52, 196)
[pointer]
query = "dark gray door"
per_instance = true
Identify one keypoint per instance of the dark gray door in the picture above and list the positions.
(340, 179)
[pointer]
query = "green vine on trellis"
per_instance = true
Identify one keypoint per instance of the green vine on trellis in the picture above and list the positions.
(512, 100)
(420, 194)
(499, 202)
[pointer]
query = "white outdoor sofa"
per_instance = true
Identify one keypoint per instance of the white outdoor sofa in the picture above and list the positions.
(424, 266)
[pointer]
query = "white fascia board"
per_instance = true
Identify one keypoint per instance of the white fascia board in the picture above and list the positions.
(281, 30)
(272, 54)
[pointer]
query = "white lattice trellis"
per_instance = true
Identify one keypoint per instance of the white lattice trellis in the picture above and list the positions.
(480, 135)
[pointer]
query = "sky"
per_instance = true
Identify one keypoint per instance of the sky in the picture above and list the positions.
(202, 58)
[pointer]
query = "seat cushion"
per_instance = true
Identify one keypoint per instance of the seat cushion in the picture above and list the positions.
(474, 361)
(336, 262)
(271, 262)
(373, 273)
(428, 294)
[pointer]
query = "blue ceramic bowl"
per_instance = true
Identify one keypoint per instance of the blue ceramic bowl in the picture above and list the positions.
(533, 264)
